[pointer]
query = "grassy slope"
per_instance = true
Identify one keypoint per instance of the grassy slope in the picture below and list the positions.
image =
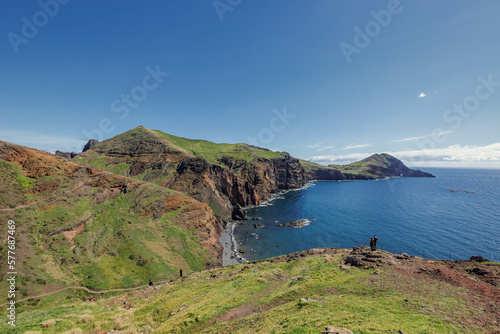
(311, 166)
(13, 186)
(210, 151)
(119, 247)
(262, 297)
(213, 151)
(363, 167)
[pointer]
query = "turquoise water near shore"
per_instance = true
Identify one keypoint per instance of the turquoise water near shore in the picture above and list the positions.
(419, 216)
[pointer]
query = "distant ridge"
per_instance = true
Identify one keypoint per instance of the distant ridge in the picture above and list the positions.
(385, 165)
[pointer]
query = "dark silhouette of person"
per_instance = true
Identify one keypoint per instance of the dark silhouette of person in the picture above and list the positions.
(180, 272)
(150, 282)
(373, 243)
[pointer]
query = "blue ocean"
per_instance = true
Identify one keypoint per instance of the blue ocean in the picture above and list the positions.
(453, 216)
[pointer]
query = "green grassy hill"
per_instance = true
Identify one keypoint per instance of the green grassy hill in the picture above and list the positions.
(298, 293)
(214, 152)
(79, 226)
(166, 147)
(376, 166)
(222, 175)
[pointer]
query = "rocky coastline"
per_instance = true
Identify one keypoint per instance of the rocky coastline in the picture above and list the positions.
(227, 177)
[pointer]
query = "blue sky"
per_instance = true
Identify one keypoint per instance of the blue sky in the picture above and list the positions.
(330, 81)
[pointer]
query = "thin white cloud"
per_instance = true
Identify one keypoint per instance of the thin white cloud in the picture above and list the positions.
(487, 156)
(325, 148)
(338, 159)
(41, 141)
(434, 134)
(319, 147)
(314, 145)
(353, 146)
(428, 94)
(463, 155)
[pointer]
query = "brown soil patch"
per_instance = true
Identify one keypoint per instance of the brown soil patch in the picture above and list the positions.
(175, 202)
(34, 163)
(72, 233)
(47, 206)
(44, 186)
(18, 207)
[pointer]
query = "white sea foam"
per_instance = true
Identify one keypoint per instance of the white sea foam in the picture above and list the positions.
(281, 195)
(306, 222)
(236, 250)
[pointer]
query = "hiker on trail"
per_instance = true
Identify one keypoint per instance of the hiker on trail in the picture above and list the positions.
(180, 272)
(373, 243)
(150, 282)
(92, 299)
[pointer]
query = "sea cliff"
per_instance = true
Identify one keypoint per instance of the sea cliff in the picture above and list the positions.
(228, 177)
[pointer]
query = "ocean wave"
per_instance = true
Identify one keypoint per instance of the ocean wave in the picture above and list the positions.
(280, 195)
(306, 222)
(307, 185)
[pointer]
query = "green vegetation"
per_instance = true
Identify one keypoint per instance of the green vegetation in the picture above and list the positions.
(368, 168)
(82, 228)
(214, 152)
(24, 182)
(154, 156)
(270, 298)
(13, 185)
(66, 238)
(367, 165)
(103, 162)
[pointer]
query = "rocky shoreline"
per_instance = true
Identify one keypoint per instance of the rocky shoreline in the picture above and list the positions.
(230, 253)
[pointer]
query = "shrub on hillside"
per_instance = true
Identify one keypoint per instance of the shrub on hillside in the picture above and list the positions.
(48, 323)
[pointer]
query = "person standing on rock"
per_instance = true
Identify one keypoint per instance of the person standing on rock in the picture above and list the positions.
(180, 272)
(150, 282)
(373, 243)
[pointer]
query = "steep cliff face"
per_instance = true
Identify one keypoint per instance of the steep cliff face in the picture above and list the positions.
(321, 173)
(225, 176)
(241, 184)
(222, 175)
